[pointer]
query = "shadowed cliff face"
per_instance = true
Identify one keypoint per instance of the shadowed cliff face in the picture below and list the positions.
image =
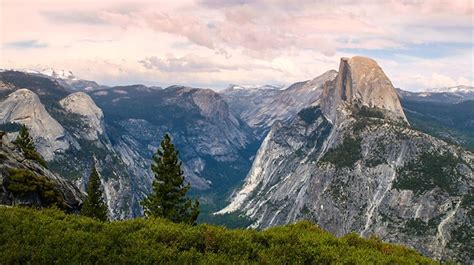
(353, 163)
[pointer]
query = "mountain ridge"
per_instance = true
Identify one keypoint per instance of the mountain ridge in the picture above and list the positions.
(347, 165)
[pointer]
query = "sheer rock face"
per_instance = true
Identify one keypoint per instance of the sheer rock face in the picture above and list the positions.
(301, 171)
(213, 107)
(82, 104)
(361, 80)
(11, 158)
(24, 107)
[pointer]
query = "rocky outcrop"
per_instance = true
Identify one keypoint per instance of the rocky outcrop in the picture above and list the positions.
(361, 80)
(82, 104)
(214, 108)
(352, 163)
(24, 107)
(70, 197)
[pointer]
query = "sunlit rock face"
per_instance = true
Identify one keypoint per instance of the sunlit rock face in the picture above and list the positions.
(361, 80)
(82, 104)
(352, 163)
(24, 107)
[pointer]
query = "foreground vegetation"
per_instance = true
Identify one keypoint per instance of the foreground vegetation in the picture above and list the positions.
(51, 236)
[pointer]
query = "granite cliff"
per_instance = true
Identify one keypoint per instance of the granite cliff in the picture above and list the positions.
(351, 162)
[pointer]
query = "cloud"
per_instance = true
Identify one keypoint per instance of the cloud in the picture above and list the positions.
(188, 63)
(25, 44)
(437, 80)
(417, 74)
(189, 26)
(269, 28)
(223, 4)
(208, 42)
(74, 17)
(191, 63)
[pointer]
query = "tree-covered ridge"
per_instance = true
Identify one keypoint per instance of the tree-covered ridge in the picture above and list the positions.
(430, 170)
(50, 236)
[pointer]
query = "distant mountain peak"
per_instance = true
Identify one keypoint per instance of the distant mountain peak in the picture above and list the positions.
(453, 89)
(58, 74)
(65, 78)
(254, 87)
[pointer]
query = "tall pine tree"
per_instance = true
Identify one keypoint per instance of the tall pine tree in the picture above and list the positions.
(94, 205)
(27, 146)
(168, 199)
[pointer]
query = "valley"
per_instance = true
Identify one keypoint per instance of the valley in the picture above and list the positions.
(345, 150)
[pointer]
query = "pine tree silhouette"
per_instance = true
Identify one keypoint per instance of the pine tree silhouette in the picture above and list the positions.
(168, 199)
(94, 205)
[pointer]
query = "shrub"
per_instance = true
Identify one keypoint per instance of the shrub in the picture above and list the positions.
(50, 236)
(23, 182)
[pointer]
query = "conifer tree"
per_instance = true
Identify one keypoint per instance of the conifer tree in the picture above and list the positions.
(94, 205)
(168, 199)
(27, 146)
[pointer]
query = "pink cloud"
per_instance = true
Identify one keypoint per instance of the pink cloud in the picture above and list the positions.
(299, 38)
(189, 26)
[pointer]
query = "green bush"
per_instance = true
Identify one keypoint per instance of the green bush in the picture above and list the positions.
(23, 182)
(50, 236)
(34, 155)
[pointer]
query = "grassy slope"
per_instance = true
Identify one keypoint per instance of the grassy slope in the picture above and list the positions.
(50, 236)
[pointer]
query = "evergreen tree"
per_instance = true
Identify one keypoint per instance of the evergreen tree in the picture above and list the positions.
(27, 146)
(168, 199)
(94, 205)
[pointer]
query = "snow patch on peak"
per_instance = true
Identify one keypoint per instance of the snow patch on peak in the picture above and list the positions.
(59, 74)
(50, 72)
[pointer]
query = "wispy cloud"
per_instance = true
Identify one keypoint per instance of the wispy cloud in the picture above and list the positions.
(418, 43)
(77, 17)
(25, 44)
(191, 63)
(187, 63)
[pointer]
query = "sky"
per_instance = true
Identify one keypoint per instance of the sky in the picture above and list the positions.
(210, 43)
